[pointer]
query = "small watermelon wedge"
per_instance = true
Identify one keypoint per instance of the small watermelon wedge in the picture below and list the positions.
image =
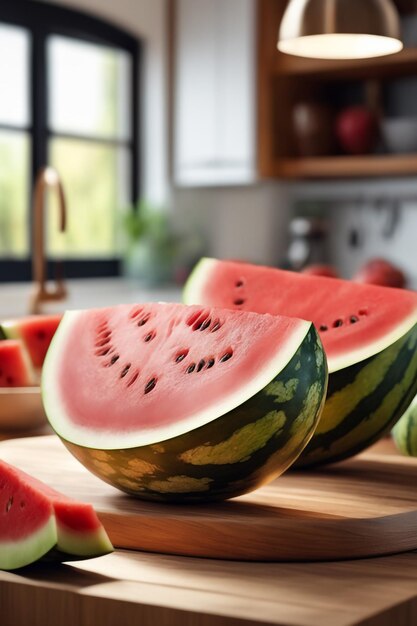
(176, 403)
(15, 365)
(37, 521)
(35, 331)
(369, 334)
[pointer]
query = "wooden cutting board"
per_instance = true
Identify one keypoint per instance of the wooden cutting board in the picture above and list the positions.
(363, 507)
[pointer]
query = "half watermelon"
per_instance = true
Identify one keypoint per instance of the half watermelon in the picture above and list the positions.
(369, 334)
(36, 521)
(170, 402)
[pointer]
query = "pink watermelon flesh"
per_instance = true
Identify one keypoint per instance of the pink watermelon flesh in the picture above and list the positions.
(34, 519)
(354, 321)
(15, 367)
(36, 331)
(138, 374)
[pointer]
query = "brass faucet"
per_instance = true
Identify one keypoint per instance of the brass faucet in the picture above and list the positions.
(47, 177)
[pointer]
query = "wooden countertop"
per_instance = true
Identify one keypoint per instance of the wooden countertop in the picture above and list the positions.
(144, 589)
(154, 590)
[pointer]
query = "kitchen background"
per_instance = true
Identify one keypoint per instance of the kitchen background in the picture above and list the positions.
(214, 97)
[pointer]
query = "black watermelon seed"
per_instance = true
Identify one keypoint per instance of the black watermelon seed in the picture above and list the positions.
(239, 283)
(180, 357)
(197, 326)
(210, 363)
(226, 357)
(194, 317)
(100, 344)
(150, 385)
(216, 326)
(354, 319)
(125, 370)
(338, 323)
(201, 365)
(323, 328)
(133, 379)
(191, 368)
(103, 352)
(149, 337)
(114, 359)
(143, 321)
(239, 301)
(205, 324)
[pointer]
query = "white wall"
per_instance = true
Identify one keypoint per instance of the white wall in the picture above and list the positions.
(366, 205)
(145, 19)
(248, 223)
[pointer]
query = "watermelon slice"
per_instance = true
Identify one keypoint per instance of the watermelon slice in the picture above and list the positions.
(175, 402)
(368, 332)
(15, 366)
(36, 332)
(35, 520)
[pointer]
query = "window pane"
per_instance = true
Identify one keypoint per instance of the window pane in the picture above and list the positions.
(14, 75)
(14, 193)
(89, 89)
(96, 183)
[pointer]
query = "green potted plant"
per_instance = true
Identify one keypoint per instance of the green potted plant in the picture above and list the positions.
(151, 245)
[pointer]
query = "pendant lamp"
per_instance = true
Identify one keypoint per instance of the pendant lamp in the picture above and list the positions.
(340, 29)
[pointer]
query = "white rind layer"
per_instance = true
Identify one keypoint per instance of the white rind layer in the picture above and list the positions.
(93, 543)
(194, 294)
(111, 440)
(15, 554)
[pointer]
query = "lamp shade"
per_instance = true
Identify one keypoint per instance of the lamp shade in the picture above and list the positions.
(340, 29)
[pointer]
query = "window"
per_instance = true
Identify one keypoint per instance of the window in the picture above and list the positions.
(69, 98)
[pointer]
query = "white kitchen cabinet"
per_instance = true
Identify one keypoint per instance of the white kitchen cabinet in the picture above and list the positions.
(214, 92)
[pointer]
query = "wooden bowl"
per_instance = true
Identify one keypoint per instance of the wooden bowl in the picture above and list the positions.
(21, 408)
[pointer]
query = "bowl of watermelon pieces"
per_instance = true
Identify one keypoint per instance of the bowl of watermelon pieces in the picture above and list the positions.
(23, 345)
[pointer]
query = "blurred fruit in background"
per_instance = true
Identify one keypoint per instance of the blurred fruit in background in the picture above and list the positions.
(357, 130)
(313, 129)
(381, 272)
(320, 269)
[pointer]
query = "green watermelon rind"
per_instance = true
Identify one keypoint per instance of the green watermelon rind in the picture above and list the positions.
(16, 554)
(405, 431)
(232, 455)
(193, 294)
(83, 544)
(391, 394)
(63, 426)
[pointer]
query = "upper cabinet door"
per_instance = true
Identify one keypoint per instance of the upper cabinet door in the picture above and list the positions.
(214, 92)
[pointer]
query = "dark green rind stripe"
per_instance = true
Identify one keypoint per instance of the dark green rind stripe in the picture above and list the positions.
(369, 403)
(381, 432)
(405, 431)
(319, 450)
(275, 426)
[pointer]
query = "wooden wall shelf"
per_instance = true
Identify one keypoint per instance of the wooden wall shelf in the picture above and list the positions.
(403, 63)
(284, 81)
(344, 166)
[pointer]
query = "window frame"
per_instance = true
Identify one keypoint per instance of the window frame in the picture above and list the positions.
(42, 20)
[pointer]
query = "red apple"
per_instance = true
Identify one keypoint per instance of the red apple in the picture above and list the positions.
(381, 272)
(357, 130)
(320, 270)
